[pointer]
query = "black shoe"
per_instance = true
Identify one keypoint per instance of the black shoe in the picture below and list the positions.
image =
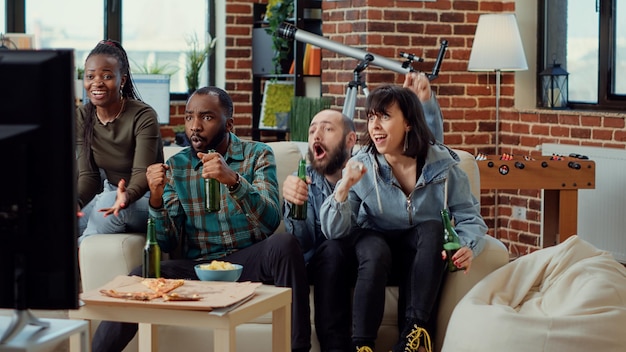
(413, 339)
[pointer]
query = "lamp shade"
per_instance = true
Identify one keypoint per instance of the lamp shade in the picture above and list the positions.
(497, 45)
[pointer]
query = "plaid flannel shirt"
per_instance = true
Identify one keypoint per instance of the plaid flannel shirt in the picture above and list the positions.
(247, 215)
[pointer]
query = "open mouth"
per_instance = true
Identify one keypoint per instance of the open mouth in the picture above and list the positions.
(378, 138)
(319, 151)
(196, 141)
(97, 93)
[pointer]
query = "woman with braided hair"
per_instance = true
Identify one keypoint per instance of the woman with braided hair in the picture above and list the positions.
(117, 137)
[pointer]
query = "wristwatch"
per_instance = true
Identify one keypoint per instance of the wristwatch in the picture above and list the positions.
(236, 185)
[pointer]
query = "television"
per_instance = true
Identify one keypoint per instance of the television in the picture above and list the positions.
(38, 200)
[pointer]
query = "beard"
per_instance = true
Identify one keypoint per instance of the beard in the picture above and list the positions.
(334, 162)
(219, 138)
(214, 143)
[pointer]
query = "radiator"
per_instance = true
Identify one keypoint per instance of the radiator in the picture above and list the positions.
(601, 211)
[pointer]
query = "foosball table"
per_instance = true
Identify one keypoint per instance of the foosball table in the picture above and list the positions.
(559, 176)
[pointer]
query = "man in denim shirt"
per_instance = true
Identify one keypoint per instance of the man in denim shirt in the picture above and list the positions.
(331, 138)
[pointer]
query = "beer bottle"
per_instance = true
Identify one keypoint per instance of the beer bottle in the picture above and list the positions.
(298, 212)
(151, 253)
(451, 242)
(212, 193)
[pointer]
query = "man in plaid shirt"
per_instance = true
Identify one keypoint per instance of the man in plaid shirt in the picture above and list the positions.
(240, 232)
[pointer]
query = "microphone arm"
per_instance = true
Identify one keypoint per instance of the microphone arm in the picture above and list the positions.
(289, 31)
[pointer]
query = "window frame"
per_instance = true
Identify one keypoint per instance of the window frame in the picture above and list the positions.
(606, 58)
(112, 29)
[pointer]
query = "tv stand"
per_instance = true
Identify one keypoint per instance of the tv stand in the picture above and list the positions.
(21, 318)
(26, 333)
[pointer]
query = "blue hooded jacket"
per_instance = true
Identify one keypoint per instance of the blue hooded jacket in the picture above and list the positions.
(377, 201)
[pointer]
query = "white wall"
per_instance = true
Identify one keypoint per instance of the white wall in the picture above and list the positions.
(526, 81)
(220, 50)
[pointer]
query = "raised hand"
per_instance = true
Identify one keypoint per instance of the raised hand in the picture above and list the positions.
(352, 173)
(419, 84)
(155, 174)
(121, 200)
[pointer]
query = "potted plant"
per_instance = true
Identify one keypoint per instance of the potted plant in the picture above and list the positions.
(196, 56)
(179, 136)
(154, 68)
(278, 11)
(78, 85)
(302, 111)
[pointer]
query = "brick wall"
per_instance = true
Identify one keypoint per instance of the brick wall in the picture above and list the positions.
(467, 99)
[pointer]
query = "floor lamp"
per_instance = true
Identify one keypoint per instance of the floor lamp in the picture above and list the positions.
(497, 47)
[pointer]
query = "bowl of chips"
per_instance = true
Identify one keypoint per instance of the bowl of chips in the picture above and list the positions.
(218, 271)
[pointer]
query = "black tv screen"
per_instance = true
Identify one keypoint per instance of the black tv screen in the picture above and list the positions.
(38, 201)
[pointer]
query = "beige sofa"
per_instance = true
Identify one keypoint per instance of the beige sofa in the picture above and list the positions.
(102, 257)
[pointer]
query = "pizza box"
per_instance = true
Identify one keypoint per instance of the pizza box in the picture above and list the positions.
(214, 294)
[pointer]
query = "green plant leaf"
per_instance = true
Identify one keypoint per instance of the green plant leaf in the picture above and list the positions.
(302, 111)
(154, 68)
(196, 56)
(279, 11)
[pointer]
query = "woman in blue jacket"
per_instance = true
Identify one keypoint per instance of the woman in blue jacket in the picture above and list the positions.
(389, 200)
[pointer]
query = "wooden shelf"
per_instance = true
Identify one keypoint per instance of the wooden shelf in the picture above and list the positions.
(308, 18)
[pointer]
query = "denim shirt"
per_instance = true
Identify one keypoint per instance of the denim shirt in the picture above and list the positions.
(434, 117)
(309, 231)
(377, 201)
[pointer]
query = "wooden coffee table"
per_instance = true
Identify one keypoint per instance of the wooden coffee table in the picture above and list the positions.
(276, 300)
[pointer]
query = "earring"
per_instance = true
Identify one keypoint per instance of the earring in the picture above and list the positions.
(121, 91)
(406, 141)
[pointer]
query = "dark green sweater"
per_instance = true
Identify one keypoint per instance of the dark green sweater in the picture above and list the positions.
(123, 149)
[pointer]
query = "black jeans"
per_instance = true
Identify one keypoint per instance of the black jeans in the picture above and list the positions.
(332, 272)
(410, 259)
(277, 260)
(420, 286)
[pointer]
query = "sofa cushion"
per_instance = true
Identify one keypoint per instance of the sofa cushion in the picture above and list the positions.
(106, 256)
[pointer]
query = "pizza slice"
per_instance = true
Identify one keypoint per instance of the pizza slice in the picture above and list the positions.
(135, 296)
(181, 297)
(162, 286)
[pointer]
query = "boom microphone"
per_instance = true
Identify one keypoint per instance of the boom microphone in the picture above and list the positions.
(291, 32)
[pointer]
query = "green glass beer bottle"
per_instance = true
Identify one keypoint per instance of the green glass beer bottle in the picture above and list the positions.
(212, 193)
(298, 212)
(151, 253)
(451, 242)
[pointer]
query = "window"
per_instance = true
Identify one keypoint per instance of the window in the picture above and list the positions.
(588, 37)
(52, 29)
(3, 16)
(161, 41)
(156, 42)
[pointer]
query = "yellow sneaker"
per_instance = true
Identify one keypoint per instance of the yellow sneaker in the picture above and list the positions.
(418, 340)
